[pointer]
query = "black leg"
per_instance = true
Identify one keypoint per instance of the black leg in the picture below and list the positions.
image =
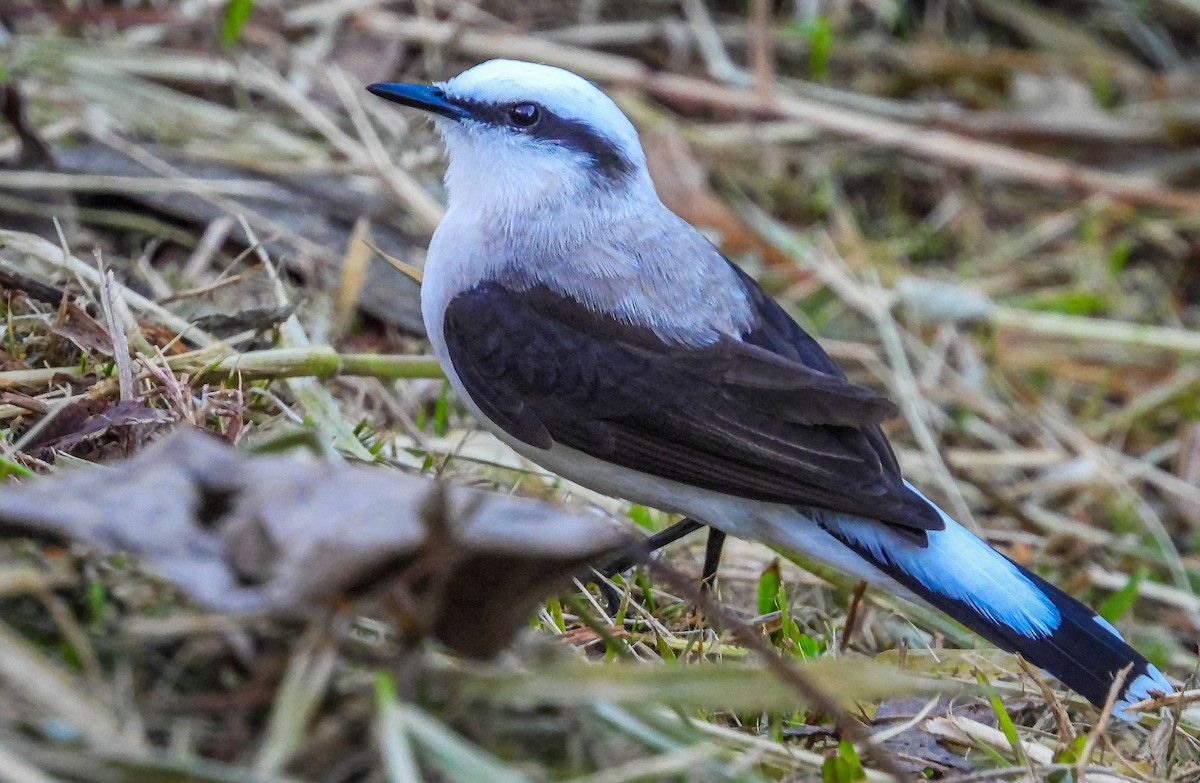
(712, 557)
(652, 544)
(642, 549)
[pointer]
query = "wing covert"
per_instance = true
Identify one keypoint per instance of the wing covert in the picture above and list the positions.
(736, 416)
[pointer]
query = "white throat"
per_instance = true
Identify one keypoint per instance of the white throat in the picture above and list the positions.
(501, 179)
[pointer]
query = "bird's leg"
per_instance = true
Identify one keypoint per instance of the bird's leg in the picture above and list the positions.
(712, 557)
(655, 542)
(651, 544)
(642, 549)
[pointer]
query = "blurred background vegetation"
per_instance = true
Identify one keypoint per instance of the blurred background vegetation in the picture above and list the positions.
(989, 209)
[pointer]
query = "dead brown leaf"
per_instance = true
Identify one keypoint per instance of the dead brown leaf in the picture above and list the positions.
(74, 323)
(89, 419)
(916, 750)
(285, 536)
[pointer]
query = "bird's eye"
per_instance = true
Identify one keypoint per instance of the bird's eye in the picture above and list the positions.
(524, 114)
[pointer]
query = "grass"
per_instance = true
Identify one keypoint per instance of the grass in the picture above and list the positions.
(1024, 287)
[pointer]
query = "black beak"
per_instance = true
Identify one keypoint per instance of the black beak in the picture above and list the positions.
(420, 96)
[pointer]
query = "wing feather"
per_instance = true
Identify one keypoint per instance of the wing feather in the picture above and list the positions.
(739, 416)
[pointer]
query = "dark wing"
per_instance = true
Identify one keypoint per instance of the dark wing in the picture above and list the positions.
(734, 417)
(779, 333)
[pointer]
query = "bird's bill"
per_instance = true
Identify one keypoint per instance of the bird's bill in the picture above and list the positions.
(419, 96)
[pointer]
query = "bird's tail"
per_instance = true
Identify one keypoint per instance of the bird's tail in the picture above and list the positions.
(1087, 653)
(959, 574)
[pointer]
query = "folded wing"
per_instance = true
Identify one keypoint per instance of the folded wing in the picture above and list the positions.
(740, 416)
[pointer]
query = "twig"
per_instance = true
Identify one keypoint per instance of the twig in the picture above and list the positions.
(255, 74)
(941, 302)
(920, 141)
(716, 59)
(779, 754)
(1176, 699)
(856, 602)
(1105, 714)
(1066, 732)
(663, 766)
(216, 285)
(1154, 591)
(31, 434)
(297, 699)
(318, 361)
(879, 737)
(112, 183)
(214, 236)
(762, 48)
(404, 268)
(1116, 467)
(116, 330)
(1182, 381)
(1096, 329)
(34, 289)
(1095, 770)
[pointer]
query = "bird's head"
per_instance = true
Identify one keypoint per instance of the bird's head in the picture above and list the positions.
(522, 136)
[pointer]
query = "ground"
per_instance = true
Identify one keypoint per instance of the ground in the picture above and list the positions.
(989, 211)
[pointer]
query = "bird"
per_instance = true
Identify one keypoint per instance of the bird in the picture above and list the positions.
(604, 338)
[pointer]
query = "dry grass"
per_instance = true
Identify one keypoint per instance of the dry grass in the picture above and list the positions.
(989, 209)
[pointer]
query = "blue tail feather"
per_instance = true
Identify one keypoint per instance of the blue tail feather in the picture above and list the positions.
(1087, 653)
(1008, 605)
